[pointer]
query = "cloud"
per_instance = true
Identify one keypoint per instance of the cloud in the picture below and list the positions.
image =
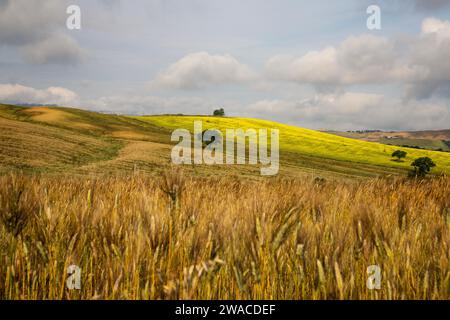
(352, 110)
(26, 21)
(428, 54)
(435, 27)
(59, 49)
(15, 93)
(110, 4)
(361, 59)
(339, 111)
(34, 26)
(409, 5)
(418, 63)
(201, 69)
(315, 67)
(430, 4)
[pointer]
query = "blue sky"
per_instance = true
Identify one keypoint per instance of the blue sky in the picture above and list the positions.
(309, 63)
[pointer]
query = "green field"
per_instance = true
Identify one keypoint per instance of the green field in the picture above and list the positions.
(74, 141)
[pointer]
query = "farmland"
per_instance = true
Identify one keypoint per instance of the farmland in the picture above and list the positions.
(98, 191)
(66, 140)
(185, 237)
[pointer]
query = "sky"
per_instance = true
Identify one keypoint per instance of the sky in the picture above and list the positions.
(313, 64)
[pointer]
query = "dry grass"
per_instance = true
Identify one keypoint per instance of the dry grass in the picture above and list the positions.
(30, 146)
(144, 156)
(179, 237)
(58, 117)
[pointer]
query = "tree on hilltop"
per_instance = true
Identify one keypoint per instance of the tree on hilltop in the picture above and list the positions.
(219, 112)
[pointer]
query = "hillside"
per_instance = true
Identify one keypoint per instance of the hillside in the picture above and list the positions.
(66, 140)
(320, 146)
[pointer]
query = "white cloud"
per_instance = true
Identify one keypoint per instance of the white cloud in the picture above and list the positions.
(363, 59)
(435, 26)
(353, 110)
(340, 111)
(419, 63)
(15, 93)
(429, 54)
(315, 67)
(202, 69)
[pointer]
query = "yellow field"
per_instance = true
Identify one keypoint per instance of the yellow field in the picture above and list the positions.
(310, 142)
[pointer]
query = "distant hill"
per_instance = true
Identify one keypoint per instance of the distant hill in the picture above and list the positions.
(75, 141)
(428, 139)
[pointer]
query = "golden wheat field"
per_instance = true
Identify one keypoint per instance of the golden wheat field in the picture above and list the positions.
(185, 237)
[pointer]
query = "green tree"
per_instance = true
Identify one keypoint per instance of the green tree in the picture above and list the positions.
(219, 112)
(399, 154)
(216, 137)
(422, 166)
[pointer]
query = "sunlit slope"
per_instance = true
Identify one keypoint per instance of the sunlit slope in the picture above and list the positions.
(304, 142)
(85, 122)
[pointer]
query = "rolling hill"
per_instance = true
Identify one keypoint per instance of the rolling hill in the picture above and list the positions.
(74, 141)
(429, 139)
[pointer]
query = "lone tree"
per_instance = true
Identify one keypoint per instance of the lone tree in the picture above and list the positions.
(399, 154)
(212, 136)
(219, 112)
(422, 166)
